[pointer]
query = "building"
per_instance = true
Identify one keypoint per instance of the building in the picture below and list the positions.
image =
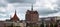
(14, 18)
(2, 24)
(32, 17)
(14, 22)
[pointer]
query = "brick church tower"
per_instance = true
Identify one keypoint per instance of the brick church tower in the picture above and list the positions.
(31, 16)
(15, 17)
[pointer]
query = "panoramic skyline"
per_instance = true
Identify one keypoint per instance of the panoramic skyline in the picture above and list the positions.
(45, 8)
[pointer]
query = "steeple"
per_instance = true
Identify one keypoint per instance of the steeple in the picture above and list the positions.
(15, 17)
(15, 12)
(32, 8)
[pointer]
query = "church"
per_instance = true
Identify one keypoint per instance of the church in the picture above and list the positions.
(32, 18)
(13, 22)
(14, 18)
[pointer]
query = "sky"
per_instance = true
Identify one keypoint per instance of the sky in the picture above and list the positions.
(45, 8)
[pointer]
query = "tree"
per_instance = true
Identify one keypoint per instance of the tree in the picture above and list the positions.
(55, 25)
(46, 25)
(42, 25)
(51, 25)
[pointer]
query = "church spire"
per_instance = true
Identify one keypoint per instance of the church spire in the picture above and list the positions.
(15, 17)
(32, 8)
(15, 12)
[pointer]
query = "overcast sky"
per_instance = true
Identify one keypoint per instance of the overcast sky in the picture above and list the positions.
(45, 8)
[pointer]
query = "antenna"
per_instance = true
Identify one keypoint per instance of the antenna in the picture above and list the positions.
(32, 7)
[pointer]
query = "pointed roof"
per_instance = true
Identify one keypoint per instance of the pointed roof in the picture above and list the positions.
(15, 17)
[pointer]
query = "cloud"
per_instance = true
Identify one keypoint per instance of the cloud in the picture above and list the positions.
(21, 16)
(58, 2)
(44, 7)
(21, 1)
(46, 11)
(4, 16)
(2, 5)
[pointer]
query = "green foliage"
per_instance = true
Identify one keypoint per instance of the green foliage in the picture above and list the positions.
(46, 25)
(32, 25)
(42, 25)
(35, 26)
(51, 25)
(16, 26)
(55, 25)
